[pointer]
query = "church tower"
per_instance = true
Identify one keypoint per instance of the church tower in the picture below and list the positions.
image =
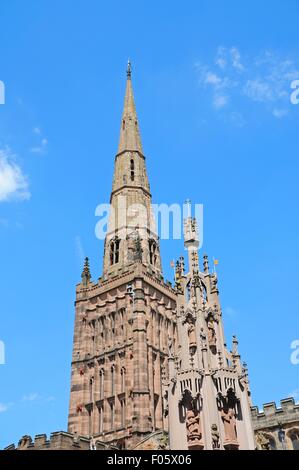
(125, 321)
(150, 358)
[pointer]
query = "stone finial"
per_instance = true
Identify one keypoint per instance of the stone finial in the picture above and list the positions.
(235, 350)
(206, 264)
(86, 276)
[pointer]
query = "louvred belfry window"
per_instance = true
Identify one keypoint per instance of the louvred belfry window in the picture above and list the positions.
(114, 251)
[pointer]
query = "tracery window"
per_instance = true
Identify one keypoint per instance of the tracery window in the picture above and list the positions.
(114, 251)
(152, 252)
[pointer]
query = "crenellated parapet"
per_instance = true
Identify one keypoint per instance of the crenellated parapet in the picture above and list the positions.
(277, 428)
(59, 440)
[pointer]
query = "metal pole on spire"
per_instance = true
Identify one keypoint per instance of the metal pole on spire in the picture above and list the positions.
(129, 68)
(188, 205)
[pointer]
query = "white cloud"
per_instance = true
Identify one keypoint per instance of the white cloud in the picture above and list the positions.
(226, 58)
(13, 183)
(41, 148)
(213, 79)
(236, 59)
(259, 90)
(279, 113)
(220, 101)
(31, 397)
(230, 312)
(221, 60)
(50, 399)
(3, 407)
(263, 80)
(79, 250)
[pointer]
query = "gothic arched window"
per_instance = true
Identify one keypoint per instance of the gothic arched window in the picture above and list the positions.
(294, 436)
(112, 411)
(114, 251)
(101, 384)
(112, 380)
(123, 379)
(90, 389)
(152, 252)
(132, 167)
(123, 413)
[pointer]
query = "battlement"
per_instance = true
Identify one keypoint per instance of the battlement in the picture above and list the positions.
(59, 440)
(272, 416)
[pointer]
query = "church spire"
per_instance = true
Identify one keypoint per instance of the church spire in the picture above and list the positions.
(129, 131)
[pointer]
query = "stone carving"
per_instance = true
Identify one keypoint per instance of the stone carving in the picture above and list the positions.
(193, 425)
(203, 339)
(165, 404)
(211, 333)
(191, 403)
(214, 282)
(196, 280)
(263, 441)
(163, 442)
(215, 436)
(178, 281)
(229, 421)
(227, 406)
(92, 444)
(189, 318)
(170, 347)
(192, 339)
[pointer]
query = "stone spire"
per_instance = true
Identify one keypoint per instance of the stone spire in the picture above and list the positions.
(131, 235)
(129, 131)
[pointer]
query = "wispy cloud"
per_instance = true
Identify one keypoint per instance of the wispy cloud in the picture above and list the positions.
(229, 58)
(234, 81)
(230, 312)
(42, 148)
(79, 250)
(30, 397)
(280, 113)
(220, 101)
(49, 399)
(3, 407)
(13, 183)
(42, 145)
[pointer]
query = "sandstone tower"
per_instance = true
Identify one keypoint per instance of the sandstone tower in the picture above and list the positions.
(147, 356)
(123, 322)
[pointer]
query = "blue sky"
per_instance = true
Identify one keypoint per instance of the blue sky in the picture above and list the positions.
(212, 88)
